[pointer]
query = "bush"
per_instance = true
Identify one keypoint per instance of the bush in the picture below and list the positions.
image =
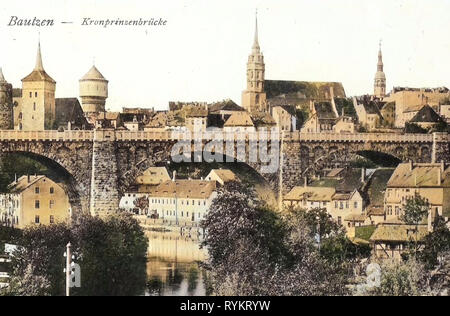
(110, 252)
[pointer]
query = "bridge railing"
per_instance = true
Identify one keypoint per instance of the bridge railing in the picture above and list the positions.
(76, 135)
(360, 137)
(111, 135)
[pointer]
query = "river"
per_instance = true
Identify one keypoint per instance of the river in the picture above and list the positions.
(173, 265)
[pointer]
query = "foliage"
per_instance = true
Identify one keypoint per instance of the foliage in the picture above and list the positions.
(302, 116)
(110, 252)
(415, 210)
(402, 279)
(142, 203)
(112, 255)
(435, 244)
(347, 105)
(255, 251)
(8, 235)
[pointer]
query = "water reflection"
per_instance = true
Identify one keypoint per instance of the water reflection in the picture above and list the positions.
(173, 265)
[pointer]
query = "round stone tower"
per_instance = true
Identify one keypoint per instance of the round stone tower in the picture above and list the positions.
(6, 115)
(93, 92)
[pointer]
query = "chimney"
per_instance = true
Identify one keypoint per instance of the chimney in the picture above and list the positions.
(305, 184)
(363, 174)
(410, 165)
(174, 175)
(442, 166)
(28, 178)
(15, 178)
(343, 112)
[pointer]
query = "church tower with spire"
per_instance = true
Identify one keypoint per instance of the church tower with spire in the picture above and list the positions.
(38, 99)
(254, 97)
(380, 77)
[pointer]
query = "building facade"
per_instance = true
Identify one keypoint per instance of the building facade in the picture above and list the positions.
(182, 202)
(34, 200)
(338, 205)
(430, 181)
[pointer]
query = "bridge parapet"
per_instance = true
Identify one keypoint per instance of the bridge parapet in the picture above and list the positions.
(76, 135)
(359, 137)
(115, 135)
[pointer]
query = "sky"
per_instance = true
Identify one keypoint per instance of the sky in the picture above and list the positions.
(201, 54)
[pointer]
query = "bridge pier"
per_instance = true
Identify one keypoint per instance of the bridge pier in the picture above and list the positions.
(104, 197)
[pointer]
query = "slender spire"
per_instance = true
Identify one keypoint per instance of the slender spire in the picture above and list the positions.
(255, 42)
(2, 78)
(39, 66)
(380, 59)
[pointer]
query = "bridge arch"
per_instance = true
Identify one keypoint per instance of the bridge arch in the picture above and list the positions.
(72, 161)
(76, 191)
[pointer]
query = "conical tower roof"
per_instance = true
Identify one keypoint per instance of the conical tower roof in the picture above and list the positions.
(38, 73)
(93, 74)
(2, 78)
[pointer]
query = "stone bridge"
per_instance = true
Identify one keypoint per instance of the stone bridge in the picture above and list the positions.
(101, 165)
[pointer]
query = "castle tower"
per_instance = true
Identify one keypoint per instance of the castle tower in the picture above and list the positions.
(38, 98)
(380, 77)
(254, 97)
(6, 115)
(93, 93)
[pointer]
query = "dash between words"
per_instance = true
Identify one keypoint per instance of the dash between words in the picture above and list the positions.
(38, 22)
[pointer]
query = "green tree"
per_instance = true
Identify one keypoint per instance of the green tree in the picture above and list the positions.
(415, 211)
(111, 253)
(255, 251)
(436, 244)
(400, 278)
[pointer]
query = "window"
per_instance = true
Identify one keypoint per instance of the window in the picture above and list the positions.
(37, 190)
(36, 219)
(37, 204)
(31, 94)
(52, 204)
(52, 219)
(52, 190)
(35, 94)
(355, 205)
(34, 106)
(339, 220)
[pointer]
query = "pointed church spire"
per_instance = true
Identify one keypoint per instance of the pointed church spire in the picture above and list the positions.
(2, 78)
(255, 42)
(39, 66)
(380, 59)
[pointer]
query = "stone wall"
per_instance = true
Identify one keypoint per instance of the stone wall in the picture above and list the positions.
(104, 165)
(104, 197)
